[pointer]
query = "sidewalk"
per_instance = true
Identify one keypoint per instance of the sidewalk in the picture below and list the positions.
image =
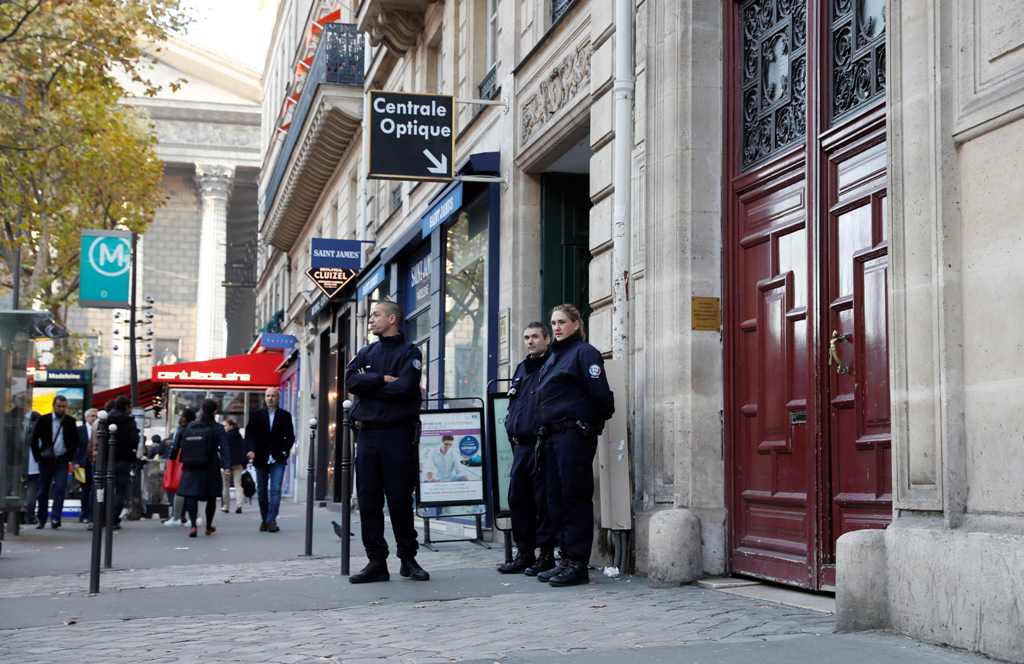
(247, 596)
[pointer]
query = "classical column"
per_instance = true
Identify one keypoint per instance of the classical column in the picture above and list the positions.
(214, 183)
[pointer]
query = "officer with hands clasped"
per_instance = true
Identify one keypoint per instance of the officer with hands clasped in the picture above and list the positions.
(574, 401)
(526, 498)
(385, 379)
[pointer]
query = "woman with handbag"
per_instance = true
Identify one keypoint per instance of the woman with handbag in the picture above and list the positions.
(173, 471)
(201, 448)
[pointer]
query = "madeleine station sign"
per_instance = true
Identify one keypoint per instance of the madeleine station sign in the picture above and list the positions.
(412, 136)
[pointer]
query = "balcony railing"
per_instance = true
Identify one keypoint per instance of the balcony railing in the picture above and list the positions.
(338, 60)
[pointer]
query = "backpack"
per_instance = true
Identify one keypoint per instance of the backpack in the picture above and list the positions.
(194, 448)
(248, 484)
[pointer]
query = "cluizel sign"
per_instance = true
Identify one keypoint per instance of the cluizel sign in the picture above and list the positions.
(333, 263)
(106, 261)
(412, 136)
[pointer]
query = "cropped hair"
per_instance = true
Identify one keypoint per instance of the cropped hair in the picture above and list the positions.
(537, 325)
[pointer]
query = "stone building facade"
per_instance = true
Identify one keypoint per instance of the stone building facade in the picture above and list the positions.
(813, 386)
(197, 258)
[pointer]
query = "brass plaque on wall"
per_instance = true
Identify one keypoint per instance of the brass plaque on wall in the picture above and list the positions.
(706, 314)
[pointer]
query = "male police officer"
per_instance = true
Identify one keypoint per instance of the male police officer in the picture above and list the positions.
(385, 378)
(526, 497)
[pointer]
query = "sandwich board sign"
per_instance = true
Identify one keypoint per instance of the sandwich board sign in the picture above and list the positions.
(412, 136)
(106, 265)
(333, 263)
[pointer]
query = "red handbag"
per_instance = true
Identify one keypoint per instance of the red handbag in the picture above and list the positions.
(172, 474)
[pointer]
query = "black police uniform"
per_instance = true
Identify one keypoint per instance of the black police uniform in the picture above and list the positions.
(386, 417)
(526, 497)
(574, 401)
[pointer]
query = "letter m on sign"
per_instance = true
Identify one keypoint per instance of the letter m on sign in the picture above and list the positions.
(105, 269)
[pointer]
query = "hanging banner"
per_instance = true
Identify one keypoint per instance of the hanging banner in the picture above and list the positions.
(105, 274)
(333, 263)
(412, 136)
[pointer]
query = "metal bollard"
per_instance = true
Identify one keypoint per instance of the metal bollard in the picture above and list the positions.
(310, 486)
(108, 553)
(99, 496)
(346, 486)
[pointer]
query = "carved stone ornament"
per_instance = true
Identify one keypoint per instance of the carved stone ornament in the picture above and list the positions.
(214, 181)
(398, 30)
(557, 89)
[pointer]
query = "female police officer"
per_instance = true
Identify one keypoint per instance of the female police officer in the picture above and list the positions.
(574, 402)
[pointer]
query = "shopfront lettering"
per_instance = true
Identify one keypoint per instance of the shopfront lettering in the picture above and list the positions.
(204, 376)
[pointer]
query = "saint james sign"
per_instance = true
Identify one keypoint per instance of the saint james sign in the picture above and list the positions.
(412, 136)
(333, 263)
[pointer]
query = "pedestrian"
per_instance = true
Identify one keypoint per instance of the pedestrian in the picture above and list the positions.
(574, 401)
(526, 497)
(126, 447)
(269, 436)
(176, 501)
(31, 473)
(385, 379)
(202, 451)
(54, 443)
(84, 461)
(235, 451)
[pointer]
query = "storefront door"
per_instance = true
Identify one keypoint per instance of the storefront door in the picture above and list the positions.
(806, 283)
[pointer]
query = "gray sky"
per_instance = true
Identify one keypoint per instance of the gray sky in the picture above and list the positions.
(239, 29)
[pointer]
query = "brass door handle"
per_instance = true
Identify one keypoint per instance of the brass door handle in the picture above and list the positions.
(833, 352)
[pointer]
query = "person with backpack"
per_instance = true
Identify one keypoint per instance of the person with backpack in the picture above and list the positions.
(202, 452)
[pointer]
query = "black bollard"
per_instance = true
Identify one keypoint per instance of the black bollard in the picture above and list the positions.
(346, 486)
(108, 553)
(99, 497)
(310, 486)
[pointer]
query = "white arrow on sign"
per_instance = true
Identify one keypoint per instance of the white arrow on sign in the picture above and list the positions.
(440, 167)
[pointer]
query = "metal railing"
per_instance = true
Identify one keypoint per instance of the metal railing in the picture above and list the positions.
(338, 60)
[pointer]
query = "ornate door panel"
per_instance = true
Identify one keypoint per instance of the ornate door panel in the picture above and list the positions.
(806, 256)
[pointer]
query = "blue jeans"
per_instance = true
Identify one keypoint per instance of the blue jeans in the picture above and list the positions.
(55, 476)
(270, 478)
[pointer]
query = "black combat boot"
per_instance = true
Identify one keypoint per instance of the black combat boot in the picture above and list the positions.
(375, 570)
(544, 563)
(546, 575)
(522, 562)
(573, 573)
(412, 570)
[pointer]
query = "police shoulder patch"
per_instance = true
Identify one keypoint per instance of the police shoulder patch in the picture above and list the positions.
(594, 371)
(416, 364)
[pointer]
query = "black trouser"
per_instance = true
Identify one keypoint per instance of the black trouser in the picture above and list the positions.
(192, 509)
(386, 467)
(122, 485)
(569, 471)
(53, 477)
(527, 500)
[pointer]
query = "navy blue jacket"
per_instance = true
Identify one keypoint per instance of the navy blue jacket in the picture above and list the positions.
(573, 385)
(523, 417)
(396, 402)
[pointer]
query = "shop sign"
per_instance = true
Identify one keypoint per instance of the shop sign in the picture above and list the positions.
(105, 274)
(440, 211)
(371, 281)
(412, 136)
(277, 341)
(419, 281)
(328, 252)
(186, 375)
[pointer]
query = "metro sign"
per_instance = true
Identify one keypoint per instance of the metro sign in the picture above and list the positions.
(105, 275)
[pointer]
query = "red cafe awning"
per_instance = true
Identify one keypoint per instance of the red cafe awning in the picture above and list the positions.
(251, 371)
(147, 390)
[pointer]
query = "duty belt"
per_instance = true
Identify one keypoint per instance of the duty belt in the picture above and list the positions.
(364, 425)
(523, 440)
(555, 427)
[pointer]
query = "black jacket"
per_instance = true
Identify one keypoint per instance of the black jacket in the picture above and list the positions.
(126, 438)
(235, 448)
(83, 457)
(264, 441)
(42, 439)
(376, 401)
(573, 385)
(204, 481)
(523, 416)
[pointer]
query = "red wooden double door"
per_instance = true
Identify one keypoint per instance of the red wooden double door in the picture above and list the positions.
(806, 248)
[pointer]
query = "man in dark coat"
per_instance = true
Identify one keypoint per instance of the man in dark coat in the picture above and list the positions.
(85, 461)
(126, 446)
(54, 442)
(269, 437)
(385, 378)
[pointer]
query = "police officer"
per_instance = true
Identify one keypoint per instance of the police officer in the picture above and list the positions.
(526, 496)
(385, 379)
(574, 402)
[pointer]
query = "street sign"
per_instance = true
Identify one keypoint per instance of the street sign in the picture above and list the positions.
(105, 274)
(412, 136)
(333, 263)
